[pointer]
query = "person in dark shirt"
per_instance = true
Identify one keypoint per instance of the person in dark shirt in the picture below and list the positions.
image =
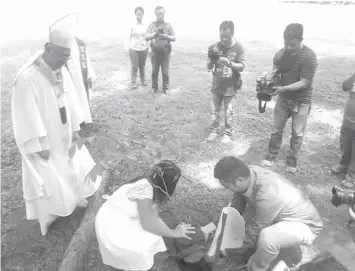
(282, 215)
(297, 64)
(347, 136)
(161, 34)
(226, 78)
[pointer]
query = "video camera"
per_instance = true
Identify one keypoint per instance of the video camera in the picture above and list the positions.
(344, 197)
(265, 87)
(215, 52)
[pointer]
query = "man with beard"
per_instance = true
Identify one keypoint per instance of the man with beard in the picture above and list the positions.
(161, 34)
(297, 64)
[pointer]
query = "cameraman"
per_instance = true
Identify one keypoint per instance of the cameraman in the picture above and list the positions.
(297, 64)
(161, 35)
(347, 137)
(226, 57)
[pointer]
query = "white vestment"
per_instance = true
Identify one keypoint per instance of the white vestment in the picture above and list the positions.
(52, 187)
(75, 71)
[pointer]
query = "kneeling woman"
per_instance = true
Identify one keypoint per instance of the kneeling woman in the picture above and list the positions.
(128, 228)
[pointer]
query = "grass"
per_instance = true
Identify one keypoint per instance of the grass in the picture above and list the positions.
(185, 111)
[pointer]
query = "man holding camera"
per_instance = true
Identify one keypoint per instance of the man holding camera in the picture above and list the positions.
(297, 64)
(161, 34)
(347, 136)
(226, 60)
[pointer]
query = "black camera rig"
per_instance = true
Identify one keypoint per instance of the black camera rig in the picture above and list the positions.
(215, 52)
(344, 197)
(265, 87)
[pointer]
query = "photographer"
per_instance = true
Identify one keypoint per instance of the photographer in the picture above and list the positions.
(161, 35)
(347, 137)
(297, 64)
(226, 60)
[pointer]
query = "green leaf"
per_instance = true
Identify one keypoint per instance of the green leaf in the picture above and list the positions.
(97, 170)
(72, 151)
(80, 142)
(154, 138)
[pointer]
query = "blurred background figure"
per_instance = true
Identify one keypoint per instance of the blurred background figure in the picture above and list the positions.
(137, 46)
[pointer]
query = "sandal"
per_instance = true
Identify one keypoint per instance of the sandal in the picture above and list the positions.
(338, 169)
(348, 184)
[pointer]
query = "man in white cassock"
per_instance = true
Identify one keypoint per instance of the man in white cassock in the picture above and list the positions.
(46, 119)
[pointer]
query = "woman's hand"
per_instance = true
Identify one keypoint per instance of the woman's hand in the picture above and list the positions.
(182, 231)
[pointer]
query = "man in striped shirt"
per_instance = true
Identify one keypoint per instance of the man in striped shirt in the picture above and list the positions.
(297, 64)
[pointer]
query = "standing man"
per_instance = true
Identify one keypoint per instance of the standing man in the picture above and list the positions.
(347, 136)
(227, 60)
(297, 64)
(161, 34)
(46, 120)
(282, 215)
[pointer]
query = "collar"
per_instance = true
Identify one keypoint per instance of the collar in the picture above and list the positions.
(252, 181)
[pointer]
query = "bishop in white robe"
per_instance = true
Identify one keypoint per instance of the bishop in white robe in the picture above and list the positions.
(46, 119)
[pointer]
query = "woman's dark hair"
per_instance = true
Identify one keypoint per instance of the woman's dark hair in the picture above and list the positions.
(225, 25)
(137, 9)
(164, 178)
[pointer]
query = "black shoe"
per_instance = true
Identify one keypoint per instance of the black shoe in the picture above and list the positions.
(154, 90)
(165, 90)
(144, 84)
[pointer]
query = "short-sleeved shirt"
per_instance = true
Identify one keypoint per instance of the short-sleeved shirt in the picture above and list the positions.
(349, 112)
(225, 81)
(167, 28)
(137, 40)
(304, 66)
(275, 199)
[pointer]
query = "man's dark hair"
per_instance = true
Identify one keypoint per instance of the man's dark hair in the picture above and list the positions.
(230, 166)
(159, 7)
(137, 9)
(294, 31)
(227, 25)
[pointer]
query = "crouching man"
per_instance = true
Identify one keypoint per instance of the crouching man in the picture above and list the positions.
(282, 215)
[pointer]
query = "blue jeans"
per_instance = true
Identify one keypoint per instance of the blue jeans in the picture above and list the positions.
(299, 112)
(347, 148)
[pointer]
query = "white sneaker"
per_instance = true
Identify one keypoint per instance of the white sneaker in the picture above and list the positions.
(226, 139)
(291, 169)
(212, 137)
(267, 162)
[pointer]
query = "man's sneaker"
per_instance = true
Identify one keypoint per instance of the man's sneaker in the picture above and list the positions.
(291, 167)
(226, 139)
(212, 137)
(154, 90)
(338, 169)
(134, 86)
(348, 184)
(165, 90)
(144, 84)
(268, 161)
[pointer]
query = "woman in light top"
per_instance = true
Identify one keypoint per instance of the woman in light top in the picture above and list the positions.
(128, 228)
(137, 47)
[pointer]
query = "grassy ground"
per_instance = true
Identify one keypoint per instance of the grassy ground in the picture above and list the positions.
(185, 111)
